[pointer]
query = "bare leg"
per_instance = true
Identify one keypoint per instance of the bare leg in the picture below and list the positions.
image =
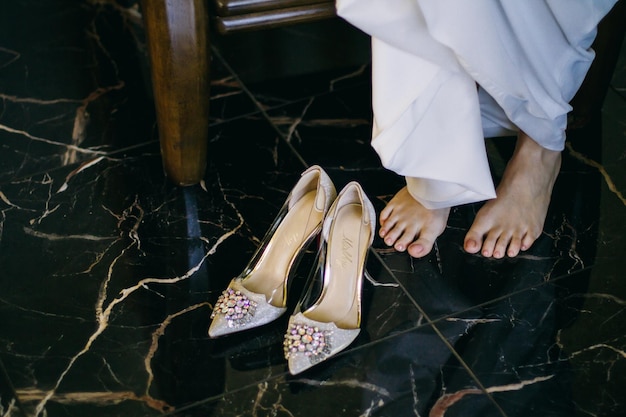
(515, 219)
(407, 225)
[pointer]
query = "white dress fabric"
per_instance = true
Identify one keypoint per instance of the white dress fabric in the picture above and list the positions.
(529, 58)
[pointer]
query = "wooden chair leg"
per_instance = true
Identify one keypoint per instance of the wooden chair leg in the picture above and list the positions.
(177, 37)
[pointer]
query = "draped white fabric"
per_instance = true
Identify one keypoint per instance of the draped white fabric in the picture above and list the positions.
(529, 57)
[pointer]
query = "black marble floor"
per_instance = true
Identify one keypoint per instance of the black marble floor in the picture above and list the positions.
(108, 272)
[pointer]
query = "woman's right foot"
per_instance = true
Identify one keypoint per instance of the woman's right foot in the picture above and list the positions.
(513, 221)
(407, 225)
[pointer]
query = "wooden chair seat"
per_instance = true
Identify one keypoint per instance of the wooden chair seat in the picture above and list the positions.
(238, 15)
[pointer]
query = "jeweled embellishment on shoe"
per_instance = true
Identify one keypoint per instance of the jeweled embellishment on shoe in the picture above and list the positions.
(236, 308)
(307, 340)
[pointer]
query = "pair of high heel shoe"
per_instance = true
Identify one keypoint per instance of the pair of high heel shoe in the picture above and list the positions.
(321, 325)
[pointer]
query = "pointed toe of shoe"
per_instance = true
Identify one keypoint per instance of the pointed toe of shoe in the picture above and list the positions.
(308, 342)
(220, 327)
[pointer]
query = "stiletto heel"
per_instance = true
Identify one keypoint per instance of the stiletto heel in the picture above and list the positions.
(259, 294)
(333, 321)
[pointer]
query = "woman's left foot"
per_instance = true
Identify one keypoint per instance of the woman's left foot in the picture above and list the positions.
(514, 220)
(408, 226)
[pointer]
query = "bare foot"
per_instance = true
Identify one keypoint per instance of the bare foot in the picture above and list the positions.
(514, 220)
(405, 224)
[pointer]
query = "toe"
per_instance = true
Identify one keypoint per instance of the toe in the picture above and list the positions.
(502, 244)
(392, 234)
(420, 248)
(385, 213)
(489, 244)
(527, 242)
(399, 247)
(385, 226)
(472, 242)
(424, 244)
(514, 246)
(386, 229)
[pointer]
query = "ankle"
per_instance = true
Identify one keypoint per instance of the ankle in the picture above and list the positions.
(528, 149)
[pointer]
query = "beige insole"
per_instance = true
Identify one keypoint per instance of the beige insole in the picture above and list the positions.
(348, 243)
(270, 273)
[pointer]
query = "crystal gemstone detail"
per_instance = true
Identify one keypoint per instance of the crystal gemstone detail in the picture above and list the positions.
(307, 340)
(236, 308)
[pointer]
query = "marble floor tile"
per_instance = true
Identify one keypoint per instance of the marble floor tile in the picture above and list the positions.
(109, 273)
(412, 372)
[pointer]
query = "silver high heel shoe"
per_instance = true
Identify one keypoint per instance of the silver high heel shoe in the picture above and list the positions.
(333, 321)
(259, 294)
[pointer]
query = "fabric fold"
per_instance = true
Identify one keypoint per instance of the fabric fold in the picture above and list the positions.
(428, 57)
(443, 152)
